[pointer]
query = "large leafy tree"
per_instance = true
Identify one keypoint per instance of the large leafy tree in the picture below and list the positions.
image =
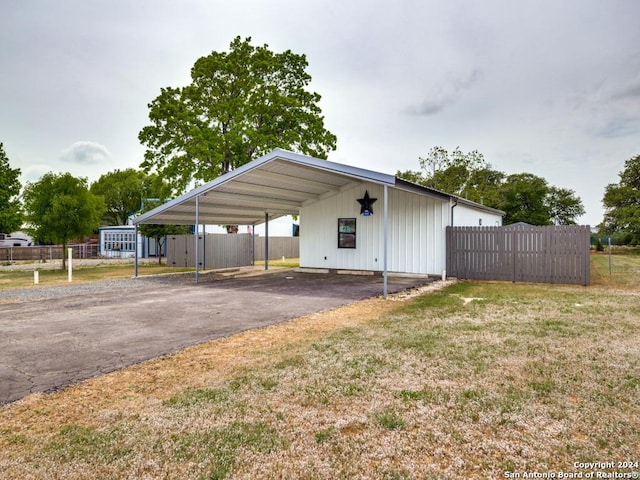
(60, 207)
(524, 197)
(564, 206)
(10, 208)
(125, 191)
(240, 105)
(483, 186)
(622, 203)
(527, 198)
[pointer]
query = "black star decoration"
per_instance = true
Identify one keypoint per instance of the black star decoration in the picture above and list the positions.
(366, 204)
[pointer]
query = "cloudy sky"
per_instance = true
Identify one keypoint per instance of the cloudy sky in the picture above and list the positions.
(547, 87)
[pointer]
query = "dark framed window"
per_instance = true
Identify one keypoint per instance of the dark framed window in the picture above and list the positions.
(346, 233)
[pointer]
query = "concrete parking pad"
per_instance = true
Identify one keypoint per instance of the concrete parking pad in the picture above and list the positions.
(48, 344)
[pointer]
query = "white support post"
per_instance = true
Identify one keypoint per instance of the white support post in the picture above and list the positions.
(204, 247)
(135, 260)
(266, 241)
(36, 277)
(386, 224)
(196, 237)
(70, 266)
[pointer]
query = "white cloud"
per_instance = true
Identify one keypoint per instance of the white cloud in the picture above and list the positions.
(87, 153)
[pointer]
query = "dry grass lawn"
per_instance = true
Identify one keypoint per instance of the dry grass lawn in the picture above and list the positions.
(474, 380)
(106, 271)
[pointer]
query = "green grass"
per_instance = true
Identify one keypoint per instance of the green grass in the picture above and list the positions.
(625, 268)
(89, 445)
(286, 263)
(527, 378)
(389, 419)
(324, 435)
(216, 450)
(199, 396)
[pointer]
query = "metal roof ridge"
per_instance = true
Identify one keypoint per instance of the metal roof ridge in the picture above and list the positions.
(480, 206)
(457, 198)
(275, 154)
(333, 166)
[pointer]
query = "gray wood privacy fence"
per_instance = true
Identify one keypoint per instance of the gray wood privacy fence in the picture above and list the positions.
(225, 251)
(554, 254)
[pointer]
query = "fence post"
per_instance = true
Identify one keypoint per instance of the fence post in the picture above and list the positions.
(513, 257)
(447, 264)
(70, 251)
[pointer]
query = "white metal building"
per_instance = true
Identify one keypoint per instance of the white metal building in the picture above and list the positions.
(402, 230)
(123, 241)
(278, 227)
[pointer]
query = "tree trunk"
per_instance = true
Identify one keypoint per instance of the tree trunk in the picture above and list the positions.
(64, 255)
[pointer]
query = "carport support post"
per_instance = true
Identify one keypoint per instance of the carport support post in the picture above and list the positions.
(204, 247)
(69, 264)
(253, 245)
(196, 235)
(266, 241)
(135, 249)
(385, 227)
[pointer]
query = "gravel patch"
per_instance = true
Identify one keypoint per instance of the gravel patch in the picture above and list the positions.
(34, 293)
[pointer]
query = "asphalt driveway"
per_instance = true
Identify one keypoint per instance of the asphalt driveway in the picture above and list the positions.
(50, 343)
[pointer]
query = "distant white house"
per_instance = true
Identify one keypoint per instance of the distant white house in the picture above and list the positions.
(120, 242)
(279, 227)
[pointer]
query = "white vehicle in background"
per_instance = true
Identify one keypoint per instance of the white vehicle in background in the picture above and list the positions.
(15, 239)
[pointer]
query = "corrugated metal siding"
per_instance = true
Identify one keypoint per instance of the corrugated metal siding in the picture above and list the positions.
(416, 239)
(416, 233)
(465, 216)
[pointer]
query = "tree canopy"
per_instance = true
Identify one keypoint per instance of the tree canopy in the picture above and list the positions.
(622, 204)
(448, 172)
(564, 206)
(11, 214)
(240, 105)
(60, 207)
(124, 192)
(523, 197)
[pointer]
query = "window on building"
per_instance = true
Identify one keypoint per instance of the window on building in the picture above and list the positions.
(120, 241)
(346, 233)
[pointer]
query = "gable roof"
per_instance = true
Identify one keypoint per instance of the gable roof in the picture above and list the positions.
(279, 183)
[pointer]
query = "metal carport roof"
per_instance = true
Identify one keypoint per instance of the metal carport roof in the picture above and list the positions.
(279, 183)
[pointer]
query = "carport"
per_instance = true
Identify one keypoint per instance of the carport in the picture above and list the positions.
(277, 184)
